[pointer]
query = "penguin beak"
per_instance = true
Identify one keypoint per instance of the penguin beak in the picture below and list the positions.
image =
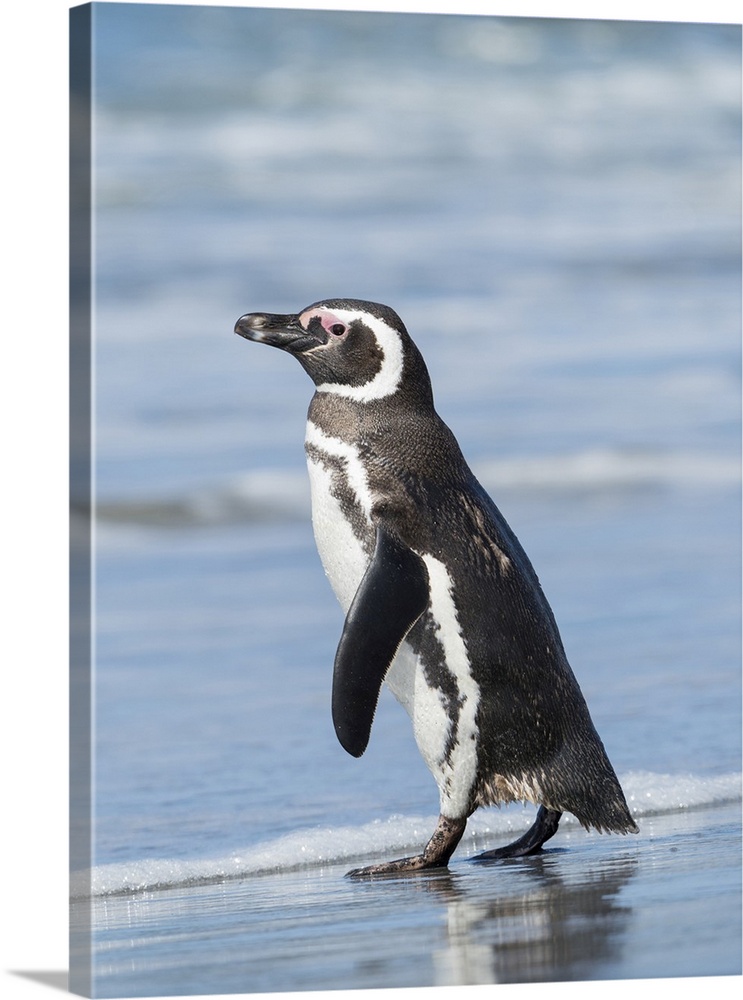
(284, 332)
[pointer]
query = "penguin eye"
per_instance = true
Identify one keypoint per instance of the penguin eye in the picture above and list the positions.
(337, 329)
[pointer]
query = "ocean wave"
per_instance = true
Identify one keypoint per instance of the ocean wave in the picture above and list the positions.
(611, 469)
(281, 495)
(259, 496)
(647, 794)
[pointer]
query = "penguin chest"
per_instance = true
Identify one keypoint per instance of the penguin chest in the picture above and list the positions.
(341, 511)
(431, 678)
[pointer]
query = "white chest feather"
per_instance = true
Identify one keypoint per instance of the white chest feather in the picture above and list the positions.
(341, 551)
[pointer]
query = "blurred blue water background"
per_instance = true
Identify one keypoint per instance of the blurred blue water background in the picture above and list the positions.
(553, 207)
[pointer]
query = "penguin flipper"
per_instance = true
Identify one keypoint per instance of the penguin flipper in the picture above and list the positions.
(392, 596)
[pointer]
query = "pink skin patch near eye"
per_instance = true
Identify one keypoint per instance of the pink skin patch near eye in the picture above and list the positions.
(331, 323)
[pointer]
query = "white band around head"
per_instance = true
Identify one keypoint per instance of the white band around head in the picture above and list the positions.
(387, 380)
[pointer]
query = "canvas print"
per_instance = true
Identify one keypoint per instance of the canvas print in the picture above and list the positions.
(405, 500)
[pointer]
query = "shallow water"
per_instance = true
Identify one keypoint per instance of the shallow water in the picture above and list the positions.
(553, 208)
(662, 904)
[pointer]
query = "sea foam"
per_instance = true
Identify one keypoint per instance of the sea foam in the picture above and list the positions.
(647, 794)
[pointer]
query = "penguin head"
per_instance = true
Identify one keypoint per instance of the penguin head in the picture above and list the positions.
(350, 348)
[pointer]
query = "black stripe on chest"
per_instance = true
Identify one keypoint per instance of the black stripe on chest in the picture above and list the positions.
(344, 494)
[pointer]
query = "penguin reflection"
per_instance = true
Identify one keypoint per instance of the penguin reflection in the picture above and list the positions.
(539, 925)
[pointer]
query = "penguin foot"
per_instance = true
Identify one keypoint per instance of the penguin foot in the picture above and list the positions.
(545, 826)
(414, 864)
(436, 854)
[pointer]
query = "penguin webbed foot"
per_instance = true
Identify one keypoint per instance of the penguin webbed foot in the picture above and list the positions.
(436, 854)
(545, 826)
(403, 865)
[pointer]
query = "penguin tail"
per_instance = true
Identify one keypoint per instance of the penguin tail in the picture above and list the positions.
(613, 817)
(583, 782)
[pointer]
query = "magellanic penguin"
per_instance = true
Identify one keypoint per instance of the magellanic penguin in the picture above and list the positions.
(441, 601)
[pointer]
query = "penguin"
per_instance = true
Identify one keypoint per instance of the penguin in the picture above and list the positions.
(440, 599)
